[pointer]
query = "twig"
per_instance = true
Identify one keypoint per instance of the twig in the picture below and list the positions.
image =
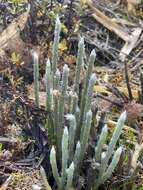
(128, 83)
(116, 92)
(70, 14)
(128, 36)
(7, 140)
(108, 99)
(108, 23)
(141, 83)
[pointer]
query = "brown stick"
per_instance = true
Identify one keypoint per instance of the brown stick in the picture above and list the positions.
(108, 23)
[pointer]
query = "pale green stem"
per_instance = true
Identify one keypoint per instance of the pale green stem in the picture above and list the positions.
(62, 100)
(65, 155)
(87, 102)
(107, 174)
(48, 85)
(113, 141)
(56, 84)
(54, 166)
(86, 84)
(77, 154)
(72, 129)
(36, 78)
(75, 103)
(79, 64)
(55, 45)
(70, 172)
(85, 136)
(100, 144)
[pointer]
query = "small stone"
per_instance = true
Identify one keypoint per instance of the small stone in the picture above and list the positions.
(36, 187)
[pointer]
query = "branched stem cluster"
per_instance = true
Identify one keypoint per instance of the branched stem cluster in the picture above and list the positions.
(72, 117)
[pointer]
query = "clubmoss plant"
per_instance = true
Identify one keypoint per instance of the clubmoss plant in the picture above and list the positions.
(111, 166)
(65, 155)
(72, 129)
(79, 64)
(54, 167)
(72, 121)
(106, 168)
(62, 100)
(36, 77)
(48, 85)
(100, 144)
(70, 172)
(55, 55)
(65, 180)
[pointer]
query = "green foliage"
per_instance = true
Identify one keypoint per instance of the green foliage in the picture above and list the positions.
(15, 58)
(106, 168)
(1, 147)
(71, 142)
(140, 188)
(16, 5)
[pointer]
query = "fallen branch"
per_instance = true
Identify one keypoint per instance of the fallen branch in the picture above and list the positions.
(109, 23)
(7, 140)
(129, 37)
(13, 30)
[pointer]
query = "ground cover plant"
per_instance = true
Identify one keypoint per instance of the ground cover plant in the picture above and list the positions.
(71, 143)
(71, 95)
